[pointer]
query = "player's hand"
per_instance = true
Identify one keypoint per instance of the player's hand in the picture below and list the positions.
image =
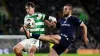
(26, 32)
(53, 24)
(86, 40)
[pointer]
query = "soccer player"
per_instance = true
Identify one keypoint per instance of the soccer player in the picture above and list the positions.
(67, 25)
(32, 45)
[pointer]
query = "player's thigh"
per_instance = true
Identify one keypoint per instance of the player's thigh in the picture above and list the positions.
(31, 45)
(26, 44)
(50, 37)
(19, 47)
(35, 43)
(32, 49)
(52, 52)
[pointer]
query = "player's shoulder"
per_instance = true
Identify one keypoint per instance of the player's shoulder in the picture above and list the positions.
(61, 19)
(74, 17)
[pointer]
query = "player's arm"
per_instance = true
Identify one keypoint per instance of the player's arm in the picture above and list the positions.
(84, 28)
(24, 27)
(77, 22)
(53, 24)
(50, 21)
(50, 24)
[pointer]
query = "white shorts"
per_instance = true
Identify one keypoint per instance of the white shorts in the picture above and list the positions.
(28, 43)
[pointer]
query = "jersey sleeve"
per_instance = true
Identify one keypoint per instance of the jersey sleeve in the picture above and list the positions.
(41, 16)
(76, 21)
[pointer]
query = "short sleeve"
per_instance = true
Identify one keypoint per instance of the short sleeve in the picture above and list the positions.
(76, 21)
(41, 16)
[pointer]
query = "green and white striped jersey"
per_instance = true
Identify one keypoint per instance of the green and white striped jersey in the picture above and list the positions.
(39, 23)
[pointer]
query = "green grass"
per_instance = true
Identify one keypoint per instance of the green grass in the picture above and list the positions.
(38, 54)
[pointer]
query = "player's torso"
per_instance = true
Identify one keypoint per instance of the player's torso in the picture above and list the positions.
(39, 23)
(67, 27)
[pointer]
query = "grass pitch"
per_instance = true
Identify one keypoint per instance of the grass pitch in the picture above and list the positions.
(43, 54)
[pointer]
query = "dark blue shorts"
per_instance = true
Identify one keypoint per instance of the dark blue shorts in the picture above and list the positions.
(63, 44)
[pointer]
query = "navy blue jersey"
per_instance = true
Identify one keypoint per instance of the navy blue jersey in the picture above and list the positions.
(67, 26)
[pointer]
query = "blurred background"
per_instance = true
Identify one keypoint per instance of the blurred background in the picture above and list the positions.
(12, 14)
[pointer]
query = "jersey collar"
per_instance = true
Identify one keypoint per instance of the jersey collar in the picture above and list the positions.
(68, 17)
(31, 15)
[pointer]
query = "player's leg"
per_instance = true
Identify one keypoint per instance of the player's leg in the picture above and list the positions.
(57, 50)
(34, 46)
(32, 50)
(66, 51)
(18, 49)
(61, 47)
(72, 47)
(50, 38)
(53, 52)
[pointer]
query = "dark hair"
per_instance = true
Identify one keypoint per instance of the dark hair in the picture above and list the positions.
(30, 4)
(71, 7)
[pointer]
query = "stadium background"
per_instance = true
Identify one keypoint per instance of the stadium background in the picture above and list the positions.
(12, 13)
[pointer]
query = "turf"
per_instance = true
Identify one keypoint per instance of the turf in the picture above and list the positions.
(40, 54)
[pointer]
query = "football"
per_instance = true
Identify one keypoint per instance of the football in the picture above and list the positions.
(30, 23)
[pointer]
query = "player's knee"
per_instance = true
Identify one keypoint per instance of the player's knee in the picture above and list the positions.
(16, 49)
(53, 40)
(57, 42)
(33, 49)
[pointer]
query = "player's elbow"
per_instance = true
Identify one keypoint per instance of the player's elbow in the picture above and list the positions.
(21, 29)
(84, 26)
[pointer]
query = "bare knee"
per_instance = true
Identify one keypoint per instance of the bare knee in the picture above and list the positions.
(33, 49)
(18, 48)
(14, 48)
(49, 38)
(53, 40)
